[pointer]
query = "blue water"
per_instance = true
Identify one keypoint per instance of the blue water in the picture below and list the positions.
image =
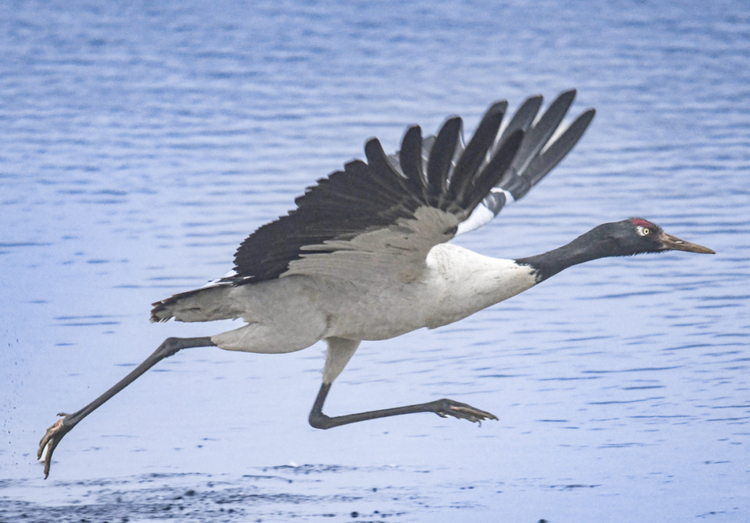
(139, 145)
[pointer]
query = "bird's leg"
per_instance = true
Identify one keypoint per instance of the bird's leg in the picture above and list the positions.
(339, 352)
(67, 421)
(443, 408)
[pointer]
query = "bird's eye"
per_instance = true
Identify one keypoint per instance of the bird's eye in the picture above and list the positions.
(645, 232)
(642, 231)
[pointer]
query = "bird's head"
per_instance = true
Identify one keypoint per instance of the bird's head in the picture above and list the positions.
(636, 236)
(625, 238)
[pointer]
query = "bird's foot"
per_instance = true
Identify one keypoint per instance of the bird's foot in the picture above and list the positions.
(446, 407)
(50, 440)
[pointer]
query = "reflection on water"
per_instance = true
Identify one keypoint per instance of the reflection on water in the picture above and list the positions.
(140, 145)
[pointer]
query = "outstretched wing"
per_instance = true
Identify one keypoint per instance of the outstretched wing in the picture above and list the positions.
(383, 216)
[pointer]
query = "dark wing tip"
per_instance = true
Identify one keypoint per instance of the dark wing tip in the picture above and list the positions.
(538, 155)
(476, 152)
(410, 157)
(568, 94)
(441, 154)
(373, 148)
(558, 149)
(498, 107)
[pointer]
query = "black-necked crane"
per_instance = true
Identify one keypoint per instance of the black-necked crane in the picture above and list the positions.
(364, 256)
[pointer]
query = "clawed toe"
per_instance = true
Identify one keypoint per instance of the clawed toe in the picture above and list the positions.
(50, 440)
(447, 407)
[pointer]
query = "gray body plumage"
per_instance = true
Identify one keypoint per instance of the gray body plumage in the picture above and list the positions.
(297, 310)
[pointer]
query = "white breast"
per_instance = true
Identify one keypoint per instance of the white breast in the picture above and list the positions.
(455, 284)
(471, 282)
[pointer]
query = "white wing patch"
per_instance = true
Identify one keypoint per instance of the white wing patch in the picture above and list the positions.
(483, 215)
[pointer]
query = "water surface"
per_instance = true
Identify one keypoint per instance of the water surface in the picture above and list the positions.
(140, 144)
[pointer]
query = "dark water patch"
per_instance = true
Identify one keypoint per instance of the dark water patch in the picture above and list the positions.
(622, 445)
(86, 321)
(623, 295)
(637, 370)
(623, 402)
(24, 244)
(293, 493)
(687, 346)
(720, 306)
(571, 487)
(670, 416)
(588, 338)
(573, 378)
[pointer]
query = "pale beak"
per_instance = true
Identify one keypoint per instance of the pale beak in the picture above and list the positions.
(671, 243)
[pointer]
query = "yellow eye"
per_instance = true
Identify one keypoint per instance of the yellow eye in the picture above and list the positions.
(645, 232)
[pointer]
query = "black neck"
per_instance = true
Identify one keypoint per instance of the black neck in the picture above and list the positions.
(596, 243)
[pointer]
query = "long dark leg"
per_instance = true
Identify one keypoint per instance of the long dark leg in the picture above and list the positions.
(443, 408)
(339, 352)
(64, 425)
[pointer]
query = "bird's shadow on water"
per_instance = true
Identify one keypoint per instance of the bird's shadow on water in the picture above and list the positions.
(307, 492)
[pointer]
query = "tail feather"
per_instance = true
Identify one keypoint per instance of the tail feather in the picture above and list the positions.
(204, 304)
